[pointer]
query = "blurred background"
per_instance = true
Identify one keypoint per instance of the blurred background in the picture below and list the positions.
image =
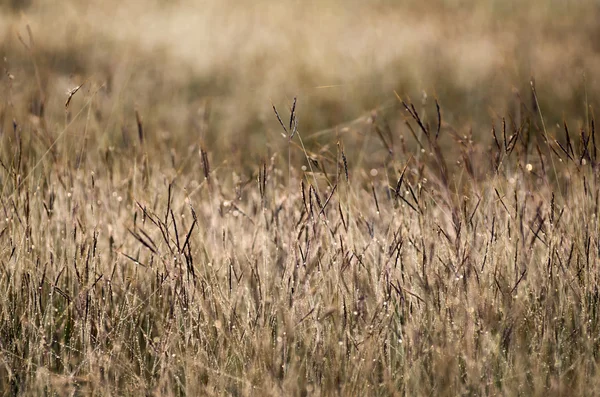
(209, 71)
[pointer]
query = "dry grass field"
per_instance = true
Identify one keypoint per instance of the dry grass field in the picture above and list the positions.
(299, 198)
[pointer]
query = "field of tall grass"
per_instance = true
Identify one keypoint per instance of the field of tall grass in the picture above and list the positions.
(299, 198)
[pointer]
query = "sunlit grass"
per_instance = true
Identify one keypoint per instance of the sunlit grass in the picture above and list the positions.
(164, 232)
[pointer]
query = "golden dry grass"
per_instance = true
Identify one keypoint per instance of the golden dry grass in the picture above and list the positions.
(160, 235)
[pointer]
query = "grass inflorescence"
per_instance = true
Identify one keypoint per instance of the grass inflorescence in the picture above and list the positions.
(442, 269)
(148, 245)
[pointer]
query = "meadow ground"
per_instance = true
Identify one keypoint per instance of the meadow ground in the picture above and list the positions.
(300, 198)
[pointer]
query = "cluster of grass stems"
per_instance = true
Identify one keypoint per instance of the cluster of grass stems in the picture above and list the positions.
(413, 260)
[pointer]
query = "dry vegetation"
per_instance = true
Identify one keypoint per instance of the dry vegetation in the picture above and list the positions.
(165, 230)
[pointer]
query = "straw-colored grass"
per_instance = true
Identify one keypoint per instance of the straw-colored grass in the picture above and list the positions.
(164, 232)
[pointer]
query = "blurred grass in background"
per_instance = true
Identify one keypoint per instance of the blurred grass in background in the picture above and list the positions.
(220, 64)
